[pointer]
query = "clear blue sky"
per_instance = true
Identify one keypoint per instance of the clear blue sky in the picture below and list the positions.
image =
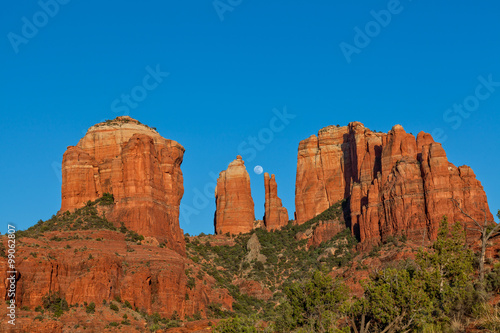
(229, 68)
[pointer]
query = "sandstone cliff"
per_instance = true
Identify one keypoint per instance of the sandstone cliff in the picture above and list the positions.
(396, 183)
(275, 216)
(135, 164)
(234, 204)
(100, 265)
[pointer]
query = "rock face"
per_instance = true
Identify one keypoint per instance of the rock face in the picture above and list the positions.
(139, 167)
(325, 231)
(92, 266)
(254, 289)
(234, 204)
(275, 216)
(396, 183)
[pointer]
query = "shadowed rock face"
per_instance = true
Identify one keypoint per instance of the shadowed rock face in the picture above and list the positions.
(139, 167)
(275, 216)
(397, 184)
(234, 204)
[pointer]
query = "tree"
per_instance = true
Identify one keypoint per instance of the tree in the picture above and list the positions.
(488, 230)
(447, 269)
(236, 325)
(315, 304)
(394, 301)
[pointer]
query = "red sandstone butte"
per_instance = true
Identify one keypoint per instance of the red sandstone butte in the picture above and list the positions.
(397, 184)
(275, 215)
(234, 204)
(135, 164)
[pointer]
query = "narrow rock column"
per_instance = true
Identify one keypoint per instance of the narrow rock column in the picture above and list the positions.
(233, 198)
(275, 216)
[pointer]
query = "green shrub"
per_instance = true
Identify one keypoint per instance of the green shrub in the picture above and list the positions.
(191, 283)
(106, 199)
(113, 307)
(314, 304)
(84, 218)
(54, 303)
(236, 325)
(90, 308)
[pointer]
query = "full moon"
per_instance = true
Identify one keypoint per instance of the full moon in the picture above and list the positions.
(258, 169)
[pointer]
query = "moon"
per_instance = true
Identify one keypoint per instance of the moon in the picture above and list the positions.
(258, 169)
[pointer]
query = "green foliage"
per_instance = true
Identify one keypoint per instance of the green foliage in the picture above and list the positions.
(84, 218)
(2, 250)
(133, 236)
(236, 325)
(156, 322)
(374, 252)
(90, 308)
(315, 304)
(214, 310)
(54, 303)
(447, 271)
(493, 280)
(191, 283)
(287, 261)
(393, 296)
(106, 199)
(113, 307)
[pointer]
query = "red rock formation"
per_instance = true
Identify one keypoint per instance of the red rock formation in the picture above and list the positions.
(139, 167)
(275, 216)
(254, 289)
(325, 231)
(396, 183)
(85, 269)
(234, 204)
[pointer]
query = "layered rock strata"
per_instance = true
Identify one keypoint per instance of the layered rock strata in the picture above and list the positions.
(396, 183)
(139, 167)
(234, 204)
(275, 216)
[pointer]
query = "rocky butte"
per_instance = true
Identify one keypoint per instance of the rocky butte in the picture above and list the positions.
(396, 184)
(234, 204)
(139, 167)
(85, 255)
(275, 216)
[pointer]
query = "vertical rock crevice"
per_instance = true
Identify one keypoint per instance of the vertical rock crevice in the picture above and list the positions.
(397, 184)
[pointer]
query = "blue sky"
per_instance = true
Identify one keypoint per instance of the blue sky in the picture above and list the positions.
(232, 65)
